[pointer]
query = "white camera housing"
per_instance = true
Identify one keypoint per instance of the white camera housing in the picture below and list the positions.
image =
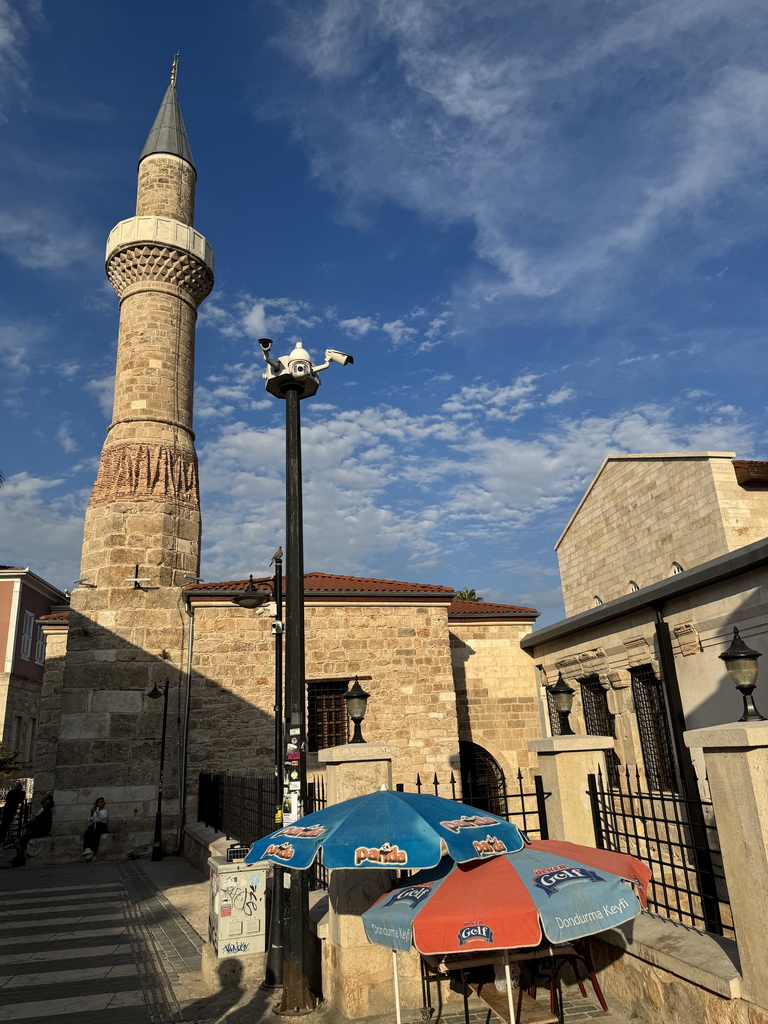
(333, 355)
(296, 372)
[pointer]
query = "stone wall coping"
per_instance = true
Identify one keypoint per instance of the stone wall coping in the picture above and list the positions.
(564, 744)
(164, 230)
(347, 753)
(737, 735)
(708, 961)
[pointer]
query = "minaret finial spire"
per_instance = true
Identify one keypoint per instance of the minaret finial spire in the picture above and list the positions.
(175, 69)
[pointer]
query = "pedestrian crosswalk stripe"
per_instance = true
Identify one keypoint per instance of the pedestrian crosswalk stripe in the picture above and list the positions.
(48, 977)
(52, 1008)
(41, 890)
(36, 956)
(76, 908)
(19, 928)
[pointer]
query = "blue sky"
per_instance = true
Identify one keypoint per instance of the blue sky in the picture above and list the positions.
(539, 227)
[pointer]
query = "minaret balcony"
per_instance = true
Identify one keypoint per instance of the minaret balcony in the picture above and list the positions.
(160, 230)
(162, 252)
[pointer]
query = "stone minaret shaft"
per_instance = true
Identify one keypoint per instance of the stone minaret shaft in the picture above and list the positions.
(99, 734)
(145, 507)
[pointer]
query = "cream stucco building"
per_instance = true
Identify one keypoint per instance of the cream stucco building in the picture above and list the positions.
(664, 555)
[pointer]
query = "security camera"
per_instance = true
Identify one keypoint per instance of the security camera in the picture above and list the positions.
(332, 355)
(278, 628)
(300, 370)
(266, 344)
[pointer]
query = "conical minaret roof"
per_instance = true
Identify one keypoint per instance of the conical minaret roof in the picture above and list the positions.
(168, 134)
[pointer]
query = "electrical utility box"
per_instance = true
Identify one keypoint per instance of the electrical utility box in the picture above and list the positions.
(237, 915)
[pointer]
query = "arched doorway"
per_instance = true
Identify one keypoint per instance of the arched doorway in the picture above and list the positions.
(482, 781)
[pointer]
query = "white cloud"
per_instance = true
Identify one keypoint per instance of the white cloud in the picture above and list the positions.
(103, 389)
(13, 40)
(65, 439)
(38, 530)
(381, 482)
(68, 369)
(18, 342)
(520, 124)
(43, 241)
(507, 402)
(564, 394)
(398, 331)
(358, 325)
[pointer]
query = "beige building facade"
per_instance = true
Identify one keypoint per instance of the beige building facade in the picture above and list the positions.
(646, 517)
(644, 663)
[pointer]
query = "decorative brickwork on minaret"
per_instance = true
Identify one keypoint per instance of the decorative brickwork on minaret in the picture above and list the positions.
(100, 736)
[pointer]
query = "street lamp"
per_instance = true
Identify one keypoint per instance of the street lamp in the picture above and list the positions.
(741, 664)
(292, 378)
(562, 695)
(357, 701)
(252, 597)
(157, 842)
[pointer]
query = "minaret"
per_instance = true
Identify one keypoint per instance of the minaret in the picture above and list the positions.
(99, 734)
(145, 506)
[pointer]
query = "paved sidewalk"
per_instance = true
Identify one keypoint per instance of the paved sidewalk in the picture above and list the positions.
(120, 944)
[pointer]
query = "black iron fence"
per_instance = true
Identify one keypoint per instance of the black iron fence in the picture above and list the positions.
(520, 802)
(676, 836)
(13, 822)
(244, 808)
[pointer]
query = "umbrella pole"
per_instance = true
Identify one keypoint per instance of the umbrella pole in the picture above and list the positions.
(398, 1018)
(508, 976)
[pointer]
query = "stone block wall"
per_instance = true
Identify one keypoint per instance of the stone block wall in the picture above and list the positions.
(101, 733)
(403, 648)
(166, 188)
(744, 512)
(496, 692)
(645, 512)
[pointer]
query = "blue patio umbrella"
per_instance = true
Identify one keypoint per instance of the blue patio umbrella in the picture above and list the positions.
(389, 829)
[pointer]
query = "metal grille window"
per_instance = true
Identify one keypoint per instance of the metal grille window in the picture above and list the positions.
(653, 726)
(482, 780)
(327, 722)
(598, 720)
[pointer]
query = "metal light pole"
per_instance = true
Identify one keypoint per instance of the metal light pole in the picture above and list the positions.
(252, 598)
(157, 842)
(292, 378)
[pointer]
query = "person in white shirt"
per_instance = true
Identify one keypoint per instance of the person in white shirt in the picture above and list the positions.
(97, 826)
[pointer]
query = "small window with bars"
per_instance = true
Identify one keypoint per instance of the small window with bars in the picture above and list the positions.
(327, 722)
(653, 727)
(599, 721)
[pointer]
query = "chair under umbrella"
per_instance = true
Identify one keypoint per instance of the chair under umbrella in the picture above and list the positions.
(553, 890)
(389, 829)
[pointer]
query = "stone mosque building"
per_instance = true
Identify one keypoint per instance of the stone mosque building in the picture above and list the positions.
(450, 688)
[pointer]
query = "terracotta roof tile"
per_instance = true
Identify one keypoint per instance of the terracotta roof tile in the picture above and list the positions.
(57, 617)
(325, 583)
(486, 610)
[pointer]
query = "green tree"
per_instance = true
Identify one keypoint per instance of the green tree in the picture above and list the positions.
(468, 594)
(9, 761)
